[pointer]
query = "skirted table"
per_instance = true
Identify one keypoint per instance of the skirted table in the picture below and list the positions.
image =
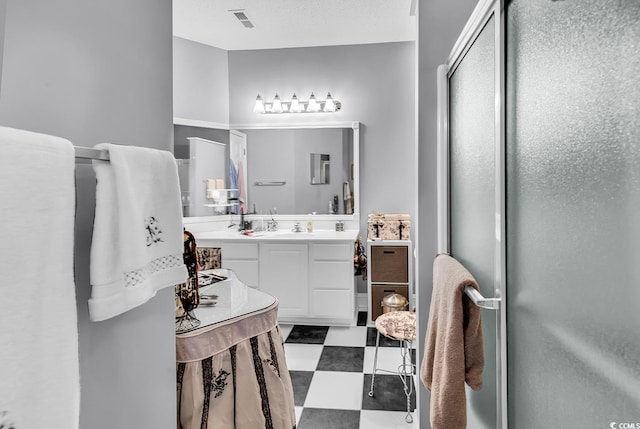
(231, 371)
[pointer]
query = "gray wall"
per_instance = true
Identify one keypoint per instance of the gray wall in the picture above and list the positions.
(3, 13)
(200, 82)
(440, 22)
(375, 83)
(94, 72)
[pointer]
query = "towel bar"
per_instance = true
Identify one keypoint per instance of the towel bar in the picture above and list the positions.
(270, 183)
(90, 153)
(481, 301)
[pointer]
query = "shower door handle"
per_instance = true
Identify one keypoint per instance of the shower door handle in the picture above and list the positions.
(481, 301)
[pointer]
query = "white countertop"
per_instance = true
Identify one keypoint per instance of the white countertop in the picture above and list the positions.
(280, 235)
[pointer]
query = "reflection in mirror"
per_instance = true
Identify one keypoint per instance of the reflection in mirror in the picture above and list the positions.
(202, 178)
(282, 156)
(319, 168)
(275, 170)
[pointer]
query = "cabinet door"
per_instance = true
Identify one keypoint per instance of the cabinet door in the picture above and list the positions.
(331, 281)
(284, 273)
(246, 270)
(242, 258)
(332, 303)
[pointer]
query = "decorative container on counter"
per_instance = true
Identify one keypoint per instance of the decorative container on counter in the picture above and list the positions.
(389, 226)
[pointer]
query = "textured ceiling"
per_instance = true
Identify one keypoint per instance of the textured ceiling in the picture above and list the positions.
(294, 23)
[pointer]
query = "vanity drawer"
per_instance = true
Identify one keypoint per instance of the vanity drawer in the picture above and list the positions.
(332, 252)
(389, 264)
(239, 251)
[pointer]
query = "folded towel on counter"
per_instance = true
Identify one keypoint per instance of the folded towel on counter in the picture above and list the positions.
(454, 350)
(39, 366)
(137, 235)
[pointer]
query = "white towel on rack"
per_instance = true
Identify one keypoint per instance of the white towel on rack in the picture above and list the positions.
(39, 366)
(137, 236)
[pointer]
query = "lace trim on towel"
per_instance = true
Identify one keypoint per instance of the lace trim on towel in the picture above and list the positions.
(134, 278)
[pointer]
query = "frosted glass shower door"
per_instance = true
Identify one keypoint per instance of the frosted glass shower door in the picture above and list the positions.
(471, 81)
(573, 213)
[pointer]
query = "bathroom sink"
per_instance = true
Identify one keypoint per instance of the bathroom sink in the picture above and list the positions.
(279, 234)
(293, 234)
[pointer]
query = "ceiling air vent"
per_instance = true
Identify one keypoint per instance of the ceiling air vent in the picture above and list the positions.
(242, 17)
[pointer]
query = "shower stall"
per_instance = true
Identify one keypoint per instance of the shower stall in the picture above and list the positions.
(539, 197)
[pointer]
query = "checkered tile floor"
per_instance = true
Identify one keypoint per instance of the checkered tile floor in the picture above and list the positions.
(331, 371)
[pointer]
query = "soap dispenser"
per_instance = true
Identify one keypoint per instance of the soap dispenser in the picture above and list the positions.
(309, 225)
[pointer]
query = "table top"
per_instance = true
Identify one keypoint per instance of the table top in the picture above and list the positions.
(234, 299)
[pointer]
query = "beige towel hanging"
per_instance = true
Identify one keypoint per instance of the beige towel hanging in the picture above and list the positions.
(454, 351)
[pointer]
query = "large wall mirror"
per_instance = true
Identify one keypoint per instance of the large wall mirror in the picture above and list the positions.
(285, 169)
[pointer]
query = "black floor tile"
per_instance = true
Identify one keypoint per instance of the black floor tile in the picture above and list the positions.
(301, 380)
(384, 341)
(388, 394)
(304, 334)
(362, 318)
(316, 418)
(348, 359)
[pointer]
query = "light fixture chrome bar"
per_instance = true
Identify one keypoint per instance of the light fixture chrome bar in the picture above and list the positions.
(90, 153)
(481, 301)
(286, 107)
(296, 105)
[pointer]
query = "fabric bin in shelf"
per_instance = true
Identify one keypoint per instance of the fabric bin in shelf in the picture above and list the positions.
(383, 226)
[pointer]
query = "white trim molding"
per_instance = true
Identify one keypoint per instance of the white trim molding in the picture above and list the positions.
(200, 124)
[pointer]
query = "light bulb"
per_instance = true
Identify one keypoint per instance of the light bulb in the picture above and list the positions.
(259, 106)
(296, 107)
(313, 105)
(329, 105)
(277, 104)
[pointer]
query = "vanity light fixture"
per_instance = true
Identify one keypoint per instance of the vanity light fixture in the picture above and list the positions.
(313, 106)
(329, 105)
(296, 105)
(259, 106)
(276, 106)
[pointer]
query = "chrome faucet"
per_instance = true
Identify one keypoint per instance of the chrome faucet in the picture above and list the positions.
(272, 225)
(297, 227)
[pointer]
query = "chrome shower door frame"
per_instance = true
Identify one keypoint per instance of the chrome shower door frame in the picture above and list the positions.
(483, 12)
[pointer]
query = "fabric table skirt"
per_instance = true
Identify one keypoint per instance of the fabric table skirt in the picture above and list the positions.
(234, 375)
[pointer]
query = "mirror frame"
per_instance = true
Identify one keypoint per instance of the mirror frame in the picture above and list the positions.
(355, 126)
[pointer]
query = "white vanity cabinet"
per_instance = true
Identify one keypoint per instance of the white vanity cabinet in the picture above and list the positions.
(310, 274)
(331, 281)
(242, 258)
(284, 273)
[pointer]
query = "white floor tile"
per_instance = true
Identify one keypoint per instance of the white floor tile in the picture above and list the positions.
(335, 390)
(302, 357)
(389, 358)
(284, 330)
(298, 411)
(370, 419)
(346, 336)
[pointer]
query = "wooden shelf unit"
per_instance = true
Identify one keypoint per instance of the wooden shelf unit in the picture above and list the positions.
(389, 270)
